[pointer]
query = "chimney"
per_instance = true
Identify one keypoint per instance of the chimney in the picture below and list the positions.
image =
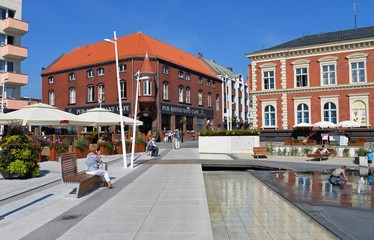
(199, 55)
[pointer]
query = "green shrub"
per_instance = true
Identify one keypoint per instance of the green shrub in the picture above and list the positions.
(346, 152)
(361, 152)
(81, 144)
(18, 156)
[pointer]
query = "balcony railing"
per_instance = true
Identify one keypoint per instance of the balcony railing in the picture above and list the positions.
(14, 78)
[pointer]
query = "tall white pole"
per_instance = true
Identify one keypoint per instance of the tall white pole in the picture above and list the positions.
(119, 100)
(135, 116)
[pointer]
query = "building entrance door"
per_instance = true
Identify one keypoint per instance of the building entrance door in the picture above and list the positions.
(147, 124)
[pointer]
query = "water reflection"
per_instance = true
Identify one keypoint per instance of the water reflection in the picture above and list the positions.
(315, 188)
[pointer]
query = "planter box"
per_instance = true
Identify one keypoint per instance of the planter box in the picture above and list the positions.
(79, 153)
(139, 147)
(228, 144)
(104, 150)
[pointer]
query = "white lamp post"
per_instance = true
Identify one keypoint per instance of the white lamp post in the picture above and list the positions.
(119, 99)
(3, 95)
(138, 78)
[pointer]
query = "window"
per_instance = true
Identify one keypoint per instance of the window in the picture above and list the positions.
(51, 80)
(165, 91)
(301, 72)
(268, 79)
(180, 94)
(180, 74)
(208, 83)
(328, 75)
(72, 96)
(357, 67)
(122, 68)
(146, 87)
(51, 97)
(217, 102)
(6, 66)
(165, 69)
(213, 83)
(90, 73)
(100, 72)
(101, 93)
(359, 112)
(269, 116)
(200, 80)
(200, 98)
(90, 93)
(301, 77)
(329, 112)
(123, 89)
(72, 77)
(188, 95)
(209, 99)
(302, 113)
(188, 77)
(358, 72)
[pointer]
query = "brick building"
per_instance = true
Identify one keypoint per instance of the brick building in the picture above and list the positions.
(177, 90)
(322, 77)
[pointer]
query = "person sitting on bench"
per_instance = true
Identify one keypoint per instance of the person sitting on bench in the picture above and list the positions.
(324, 150)
(93, 162)
(152, 146)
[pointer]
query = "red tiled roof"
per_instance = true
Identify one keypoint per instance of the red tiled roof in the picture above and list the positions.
(137, 44)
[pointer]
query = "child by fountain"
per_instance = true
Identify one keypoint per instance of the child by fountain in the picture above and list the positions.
(337, 174)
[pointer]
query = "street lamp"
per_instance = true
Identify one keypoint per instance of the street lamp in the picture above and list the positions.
(119, 99)
(3, 95)
(138, 78)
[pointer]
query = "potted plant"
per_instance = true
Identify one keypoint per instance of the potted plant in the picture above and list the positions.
(80, 147)
(18, 156)
(139, 143)
(361, 155)
(57, 149)
(106, 148)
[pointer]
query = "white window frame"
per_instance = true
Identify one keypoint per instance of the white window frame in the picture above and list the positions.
(51, 80)
(147, 88)
(188, 95)
(200, 80)
(90, 93)
(217, 103)
(180, 94)
(200, 98)
(301, 64)
(51, 98)
(188, 76)
(357, 58)
(363, 97)
(101, 93)
(180, 74)
(326, 99)
(122, 68)
(123, 89)
(165, 91)
(209, 99)
(72, 96)
(268, 67)
(100, 72)
(165, 69)
(302, 100)
(326, 62)
(264, 104)
(90, 73)
(72, 77)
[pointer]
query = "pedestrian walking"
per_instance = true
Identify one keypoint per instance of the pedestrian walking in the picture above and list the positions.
(369, 157)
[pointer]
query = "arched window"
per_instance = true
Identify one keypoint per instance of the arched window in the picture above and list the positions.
(165, 91)
(217, 102)
(269, 116)
(123, 89)
(200, 98)
(90, 93)
(100, 72)
(188, 95)
(90, 73)
(72, 96)
(209, 99)
(180, 94)
(359, 112)
(101, 93)
(329, 112)
(122, 68)
(165, 69)
(302, 113)
(51, 97)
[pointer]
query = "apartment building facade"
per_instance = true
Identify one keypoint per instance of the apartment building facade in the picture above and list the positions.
(12, 53)
(322, 77)
(176, 90)
(235, 101)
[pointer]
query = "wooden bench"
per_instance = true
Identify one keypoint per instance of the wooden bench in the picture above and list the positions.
(319, 155)
(260, 151)
(69, 171)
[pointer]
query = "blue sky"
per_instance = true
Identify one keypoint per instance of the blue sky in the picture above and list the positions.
(221, 30)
